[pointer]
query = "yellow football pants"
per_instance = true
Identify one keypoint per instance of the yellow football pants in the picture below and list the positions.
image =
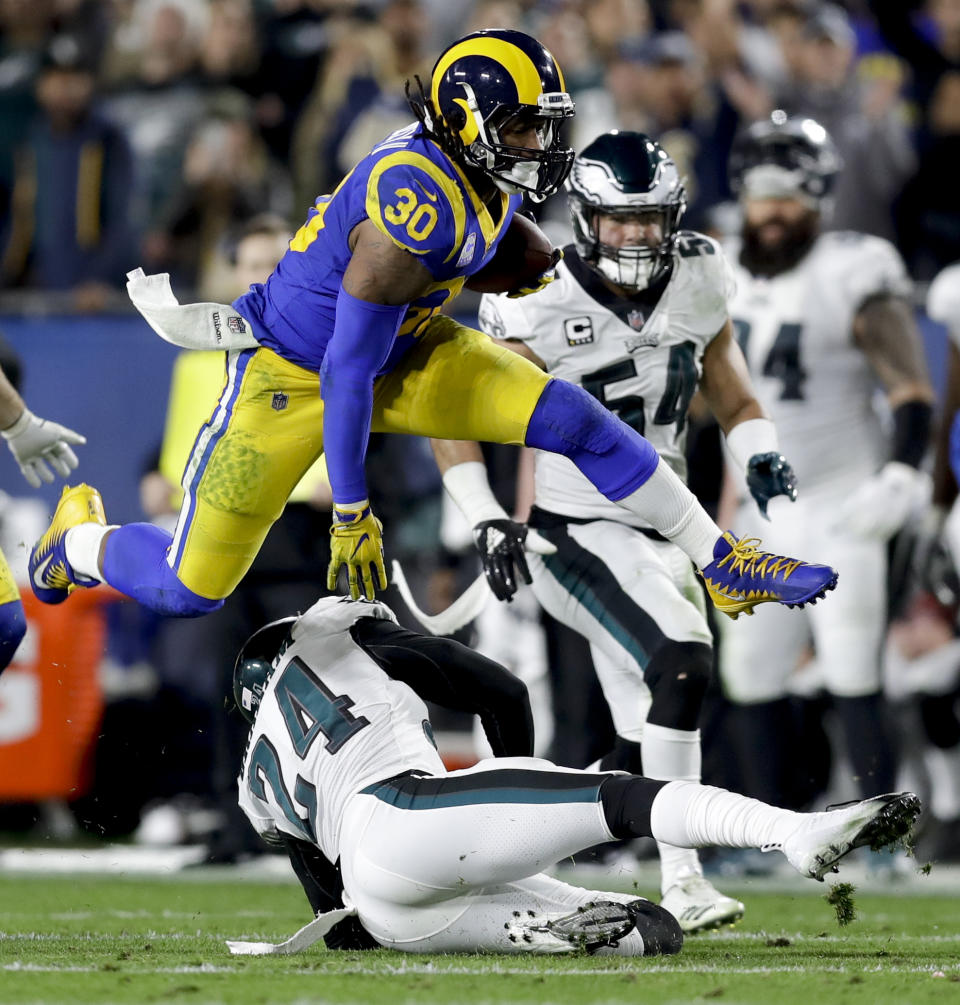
(8, 588)
(268, 429)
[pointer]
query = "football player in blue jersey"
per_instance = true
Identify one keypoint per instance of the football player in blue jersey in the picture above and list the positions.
(351, 339)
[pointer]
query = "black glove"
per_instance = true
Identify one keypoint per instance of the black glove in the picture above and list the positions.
(500, 543)
(770, 475)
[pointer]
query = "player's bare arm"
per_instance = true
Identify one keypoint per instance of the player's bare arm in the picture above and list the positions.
(751, 436)
(725, 382)
(886, 331)
(11, 404)
(380, 272)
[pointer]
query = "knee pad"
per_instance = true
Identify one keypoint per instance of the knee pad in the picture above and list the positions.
(567, 420)
(13, 627)
(659, 929)
(678, 676)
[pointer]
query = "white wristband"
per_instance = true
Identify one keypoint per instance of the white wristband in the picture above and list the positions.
(19, 426)
(469, 488)
(754, 436)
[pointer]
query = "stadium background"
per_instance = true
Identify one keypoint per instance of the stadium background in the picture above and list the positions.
(205, 113)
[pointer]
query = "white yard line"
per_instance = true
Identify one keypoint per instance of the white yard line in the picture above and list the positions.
(436, 970)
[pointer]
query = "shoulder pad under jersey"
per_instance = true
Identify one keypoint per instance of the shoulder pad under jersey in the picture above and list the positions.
(419, 207)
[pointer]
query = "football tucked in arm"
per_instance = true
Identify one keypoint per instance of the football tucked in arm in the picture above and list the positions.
(523, 254)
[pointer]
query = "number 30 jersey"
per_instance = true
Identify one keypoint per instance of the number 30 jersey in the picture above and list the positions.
(320, 738)
(640, 356)
(796, 331)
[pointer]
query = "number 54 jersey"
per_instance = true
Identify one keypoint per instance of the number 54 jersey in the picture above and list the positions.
(319, 738)
(796, 331)
(639, 356)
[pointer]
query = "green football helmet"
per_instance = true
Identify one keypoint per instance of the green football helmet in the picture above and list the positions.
(625, 173)
(254, 665)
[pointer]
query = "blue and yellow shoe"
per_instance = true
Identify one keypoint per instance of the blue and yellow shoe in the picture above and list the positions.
(741, 576)
(51, 576)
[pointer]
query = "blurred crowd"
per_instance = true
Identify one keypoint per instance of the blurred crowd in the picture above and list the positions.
(159, 132)
(146, 131)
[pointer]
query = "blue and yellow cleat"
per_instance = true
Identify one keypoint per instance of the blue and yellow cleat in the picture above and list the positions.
(51, 577)
(741, 576)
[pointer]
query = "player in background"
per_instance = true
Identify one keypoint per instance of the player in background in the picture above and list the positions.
(350, 339)
(341, 768)
(822, 319)
(37, 445)
(940, 699)
(638, 318)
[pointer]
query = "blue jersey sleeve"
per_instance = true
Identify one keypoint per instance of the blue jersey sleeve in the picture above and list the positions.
(419, 207)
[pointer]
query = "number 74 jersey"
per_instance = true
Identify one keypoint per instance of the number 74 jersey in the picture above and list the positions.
(641, 356)
(796, 331)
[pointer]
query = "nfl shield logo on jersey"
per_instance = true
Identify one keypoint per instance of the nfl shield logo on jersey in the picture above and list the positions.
(636, 320)
(280, 401)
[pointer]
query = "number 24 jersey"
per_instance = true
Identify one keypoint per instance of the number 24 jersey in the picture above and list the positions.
(641, 357)
(320, 738)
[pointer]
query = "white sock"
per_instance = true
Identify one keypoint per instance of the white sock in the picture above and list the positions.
(693, 815)
(943, 766)
(672, 509)
(673, 755)
(82, 545)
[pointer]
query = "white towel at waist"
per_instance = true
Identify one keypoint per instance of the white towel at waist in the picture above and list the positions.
(191, 326)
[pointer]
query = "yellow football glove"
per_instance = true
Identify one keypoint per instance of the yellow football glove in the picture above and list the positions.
(356, 541)
(544, 279)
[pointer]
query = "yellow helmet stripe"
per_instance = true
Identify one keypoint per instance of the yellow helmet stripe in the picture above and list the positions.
(556, 66)
(517, 63)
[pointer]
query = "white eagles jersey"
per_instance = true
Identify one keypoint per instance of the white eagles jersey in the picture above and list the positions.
(796, 331)
(641, 357)
(943, 300)
(320, 737)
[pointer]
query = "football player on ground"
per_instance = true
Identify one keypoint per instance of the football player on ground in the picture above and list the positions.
(822, 319)
(351, 338)
(341, 768)
(638, 318)
(37, 445)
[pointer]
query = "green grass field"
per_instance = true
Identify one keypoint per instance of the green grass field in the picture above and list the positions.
(104, 939)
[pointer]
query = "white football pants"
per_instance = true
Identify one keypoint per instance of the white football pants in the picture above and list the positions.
(624, 593)
(448, 878)
(759, 653)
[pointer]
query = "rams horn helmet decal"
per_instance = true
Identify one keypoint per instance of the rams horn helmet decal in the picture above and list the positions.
(488, 80)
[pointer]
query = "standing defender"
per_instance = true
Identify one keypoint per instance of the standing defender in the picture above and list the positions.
(638, 318)
(822, 319)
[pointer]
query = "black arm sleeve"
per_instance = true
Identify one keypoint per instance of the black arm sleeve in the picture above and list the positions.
(323, 885)
(449, 674)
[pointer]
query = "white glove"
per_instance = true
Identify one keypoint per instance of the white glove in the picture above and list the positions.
(882, 504)
(34, 442)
